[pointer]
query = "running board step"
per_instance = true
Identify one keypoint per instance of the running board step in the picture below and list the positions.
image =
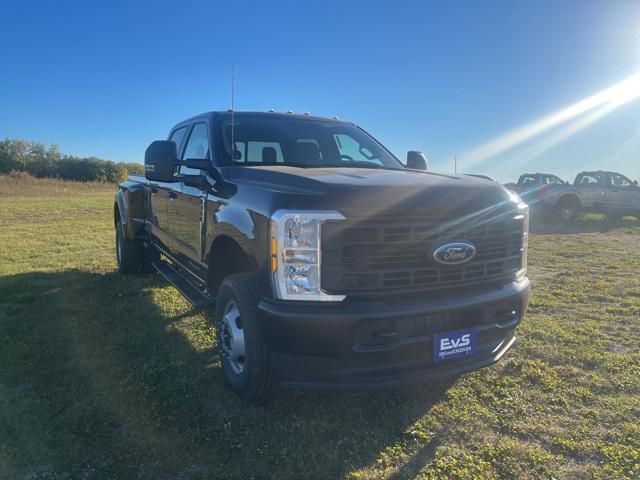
(192, 294)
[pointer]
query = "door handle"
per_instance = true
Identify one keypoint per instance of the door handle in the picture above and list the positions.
(172, 195)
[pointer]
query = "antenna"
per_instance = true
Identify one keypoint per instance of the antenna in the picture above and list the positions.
(233, 112)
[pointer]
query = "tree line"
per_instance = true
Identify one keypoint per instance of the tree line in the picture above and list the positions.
(40, 161)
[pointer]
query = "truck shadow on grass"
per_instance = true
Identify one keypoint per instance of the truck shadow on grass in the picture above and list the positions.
(107, 376)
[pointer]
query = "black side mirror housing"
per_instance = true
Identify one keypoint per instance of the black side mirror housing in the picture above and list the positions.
(416, 160)
(160, 161)
(197, 181)
(635, 182)
(203, 164)
(197, 164)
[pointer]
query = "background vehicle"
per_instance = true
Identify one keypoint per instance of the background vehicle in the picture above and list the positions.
(330, 263)
(599, 191)
(531, 186)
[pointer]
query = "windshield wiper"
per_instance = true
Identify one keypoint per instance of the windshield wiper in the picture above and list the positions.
(317, 165)
(353, 165)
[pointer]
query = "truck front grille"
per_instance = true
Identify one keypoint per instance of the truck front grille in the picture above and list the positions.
(388, 254)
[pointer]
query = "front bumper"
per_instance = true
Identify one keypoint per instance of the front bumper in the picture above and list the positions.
(375, 344)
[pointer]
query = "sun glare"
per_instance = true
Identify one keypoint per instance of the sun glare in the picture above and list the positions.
(609, 99)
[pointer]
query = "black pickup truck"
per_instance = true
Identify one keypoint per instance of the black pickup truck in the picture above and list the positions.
(329, 263)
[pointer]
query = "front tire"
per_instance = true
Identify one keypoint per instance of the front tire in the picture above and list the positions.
(129, 253)
(244, 354)
(568, 210)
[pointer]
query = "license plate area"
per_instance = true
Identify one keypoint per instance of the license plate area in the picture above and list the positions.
(454, 344)
(389, 331)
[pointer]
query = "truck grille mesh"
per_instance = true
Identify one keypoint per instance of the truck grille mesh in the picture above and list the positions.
(395, 254)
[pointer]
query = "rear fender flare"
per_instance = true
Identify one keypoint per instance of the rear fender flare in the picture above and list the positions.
(121, 206)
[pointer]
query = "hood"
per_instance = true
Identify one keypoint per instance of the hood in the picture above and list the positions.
(365, 189)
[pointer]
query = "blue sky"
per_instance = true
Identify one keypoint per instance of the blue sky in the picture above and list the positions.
(106, 78)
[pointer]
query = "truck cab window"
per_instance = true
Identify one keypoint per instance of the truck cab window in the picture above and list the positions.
(589, 179)
(258, 152)
(197, 147)
(350, 150)
(527, 180)
(265, 152)
(178, 137)
(240, 151)
(553, 180)
(276, 140)
(620, 181)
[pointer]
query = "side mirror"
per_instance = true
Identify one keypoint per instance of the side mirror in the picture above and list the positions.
(416, 160)
(160, 161)
(203, 164)
(635, 182)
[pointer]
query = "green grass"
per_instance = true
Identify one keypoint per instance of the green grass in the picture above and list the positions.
(106, 376)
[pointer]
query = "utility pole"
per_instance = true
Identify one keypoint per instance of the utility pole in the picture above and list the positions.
(455, 164)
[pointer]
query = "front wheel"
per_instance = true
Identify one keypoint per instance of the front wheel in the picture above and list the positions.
(568, 210)
(244, 355)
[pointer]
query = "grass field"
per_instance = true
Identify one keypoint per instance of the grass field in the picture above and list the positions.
(106, 376)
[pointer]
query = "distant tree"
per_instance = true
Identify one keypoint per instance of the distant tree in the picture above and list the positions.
(135, 168)
(41, 161)
(14, 155)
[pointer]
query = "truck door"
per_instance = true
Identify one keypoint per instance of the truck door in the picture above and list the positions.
(160, 197)
(185, 214)
(591, 189)
(621, 192)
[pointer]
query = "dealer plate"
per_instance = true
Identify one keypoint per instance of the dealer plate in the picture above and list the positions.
(456, 344)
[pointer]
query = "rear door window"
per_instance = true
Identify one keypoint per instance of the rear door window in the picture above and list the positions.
(588, 179)
(528, 180)
(618, 180)
(265, 152)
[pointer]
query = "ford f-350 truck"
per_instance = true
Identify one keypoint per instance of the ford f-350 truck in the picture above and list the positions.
(328, 262)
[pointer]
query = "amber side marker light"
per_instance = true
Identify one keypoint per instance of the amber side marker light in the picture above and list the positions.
(274, 255)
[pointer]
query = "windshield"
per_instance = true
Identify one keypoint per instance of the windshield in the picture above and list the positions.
(260, 140)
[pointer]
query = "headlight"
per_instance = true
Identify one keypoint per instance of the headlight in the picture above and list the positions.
(296, 252)
(523, 212)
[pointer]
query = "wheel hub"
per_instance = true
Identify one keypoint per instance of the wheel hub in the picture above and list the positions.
(232, 341)
(567, 212)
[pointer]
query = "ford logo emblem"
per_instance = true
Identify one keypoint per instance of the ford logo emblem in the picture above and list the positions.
(454, 253)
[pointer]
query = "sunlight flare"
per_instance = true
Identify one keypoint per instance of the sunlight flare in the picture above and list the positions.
(613, 97)
(547, 142)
